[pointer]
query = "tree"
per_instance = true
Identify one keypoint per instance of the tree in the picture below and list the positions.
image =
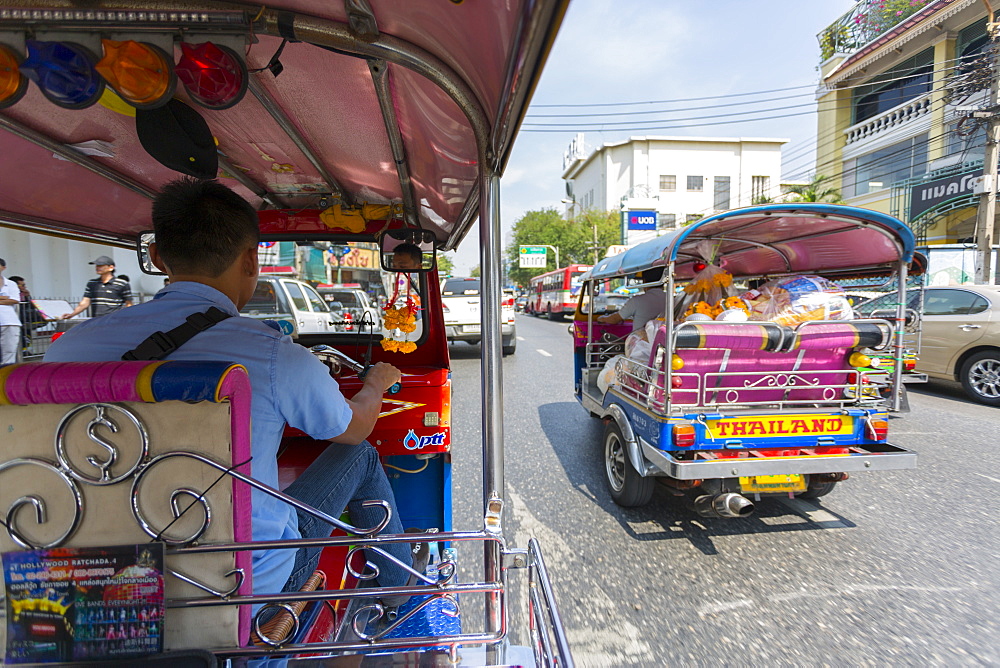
(816, 190)
(475, 272)
(574, 238)
(445, 265)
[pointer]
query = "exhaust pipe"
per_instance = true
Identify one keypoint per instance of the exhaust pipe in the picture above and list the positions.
(729, 504)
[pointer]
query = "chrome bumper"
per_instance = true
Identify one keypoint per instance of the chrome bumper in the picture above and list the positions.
(880, 457)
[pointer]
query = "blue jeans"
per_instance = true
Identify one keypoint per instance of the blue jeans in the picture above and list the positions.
(344, 476)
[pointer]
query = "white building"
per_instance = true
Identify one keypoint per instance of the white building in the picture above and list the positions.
(58, 268)
(674, 179)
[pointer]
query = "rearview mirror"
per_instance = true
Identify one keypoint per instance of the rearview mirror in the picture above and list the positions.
(142, 250)
(407, 250)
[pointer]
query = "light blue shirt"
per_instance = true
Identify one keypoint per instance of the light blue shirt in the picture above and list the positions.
(289, 386)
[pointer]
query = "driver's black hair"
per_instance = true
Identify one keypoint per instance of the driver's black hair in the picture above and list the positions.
(202, 226)
(412, 250)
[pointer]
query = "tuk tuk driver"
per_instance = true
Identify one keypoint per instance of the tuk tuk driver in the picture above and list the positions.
(642, 308)
(407, 257)
(206, 242)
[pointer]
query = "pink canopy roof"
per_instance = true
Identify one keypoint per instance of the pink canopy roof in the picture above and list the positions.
(454, 81)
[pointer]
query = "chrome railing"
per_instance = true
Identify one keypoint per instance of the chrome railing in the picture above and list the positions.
(837, 388)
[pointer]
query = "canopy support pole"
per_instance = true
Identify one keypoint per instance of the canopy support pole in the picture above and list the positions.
(380, 76)
(898, 344)
(494, 493)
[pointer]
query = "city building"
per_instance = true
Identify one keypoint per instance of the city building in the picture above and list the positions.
(661, 183)
(898, 82)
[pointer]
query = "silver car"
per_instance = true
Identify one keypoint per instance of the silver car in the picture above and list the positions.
(960, 336)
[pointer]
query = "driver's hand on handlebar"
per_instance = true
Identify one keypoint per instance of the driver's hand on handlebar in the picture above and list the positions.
(383, 376)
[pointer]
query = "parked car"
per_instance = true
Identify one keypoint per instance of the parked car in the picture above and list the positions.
(460, 301)
(959, 335)
(291, 300)
(354, 304)
(520, 303)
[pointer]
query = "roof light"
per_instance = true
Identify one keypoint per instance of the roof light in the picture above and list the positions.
(64, 72)
(13, 84)
(214, 75)
(140, 73)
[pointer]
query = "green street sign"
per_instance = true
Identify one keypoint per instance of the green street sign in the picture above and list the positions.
(532, 257)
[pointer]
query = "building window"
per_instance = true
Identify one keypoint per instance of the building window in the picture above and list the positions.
(880, 169)
(967, 147)
(760, 186)
(692, 217)
(902, 83)
(721, 201)
(696, 183)
(666, 221)
(668, 182)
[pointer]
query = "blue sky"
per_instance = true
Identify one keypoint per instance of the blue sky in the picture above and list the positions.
(637, 50)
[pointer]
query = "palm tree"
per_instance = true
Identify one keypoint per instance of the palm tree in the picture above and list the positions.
(815, 191)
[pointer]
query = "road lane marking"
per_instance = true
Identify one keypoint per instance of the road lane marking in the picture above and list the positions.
(987, 477)
(594, 641)
(542, 352)
(520, 338)
(814, 514)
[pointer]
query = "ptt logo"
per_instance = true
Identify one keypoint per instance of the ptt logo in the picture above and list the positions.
(414, 442)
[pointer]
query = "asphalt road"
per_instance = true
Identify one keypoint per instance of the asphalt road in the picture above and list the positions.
(891, 568)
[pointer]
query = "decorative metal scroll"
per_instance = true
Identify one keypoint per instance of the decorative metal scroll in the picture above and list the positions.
(107, 469)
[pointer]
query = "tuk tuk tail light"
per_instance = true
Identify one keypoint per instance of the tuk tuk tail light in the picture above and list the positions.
(140, 73)
(683, 435)
(909, 364)
(676, 382)
(877, 429)
(64, 72)
(214, 75)
(676, 363)
(859, 360)
(13, 84)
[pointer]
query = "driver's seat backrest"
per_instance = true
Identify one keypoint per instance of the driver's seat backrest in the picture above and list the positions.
(201, 408)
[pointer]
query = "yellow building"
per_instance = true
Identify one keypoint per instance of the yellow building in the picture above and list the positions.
(897, 81)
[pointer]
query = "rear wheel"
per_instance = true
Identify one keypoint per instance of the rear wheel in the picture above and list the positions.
(817, 489)
(627, 487)
(509, 345)
(980, 376)
(553, 315)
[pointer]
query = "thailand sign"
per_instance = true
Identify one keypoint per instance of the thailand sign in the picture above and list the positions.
(532, 257)
(642, 220)
(926, 196)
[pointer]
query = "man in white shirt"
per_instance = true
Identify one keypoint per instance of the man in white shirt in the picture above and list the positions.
(642, 308)
(10, 323)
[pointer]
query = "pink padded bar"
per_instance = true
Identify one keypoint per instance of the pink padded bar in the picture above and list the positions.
(76, 382)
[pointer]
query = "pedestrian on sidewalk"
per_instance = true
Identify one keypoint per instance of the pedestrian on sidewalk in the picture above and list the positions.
(104, 294)
(10, 323)
(29, 314)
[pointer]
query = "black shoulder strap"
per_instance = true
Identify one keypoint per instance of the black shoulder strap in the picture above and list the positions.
(161, 344)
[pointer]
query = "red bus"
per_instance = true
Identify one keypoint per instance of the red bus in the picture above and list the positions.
(554, 293)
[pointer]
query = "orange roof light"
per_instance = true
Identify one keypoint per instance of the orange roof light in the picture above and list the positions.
(13, 84)
(142, 74)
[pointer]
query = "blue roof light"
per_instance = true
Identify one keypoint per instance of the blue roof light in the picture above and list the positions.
(64, 71)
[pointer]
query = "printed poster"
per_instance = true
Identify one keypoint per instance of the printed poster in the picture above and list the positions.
(84, 604)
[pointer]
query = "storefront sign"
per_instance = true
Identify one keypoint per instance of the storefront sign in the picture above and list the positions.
(357, 258)
(926, 196)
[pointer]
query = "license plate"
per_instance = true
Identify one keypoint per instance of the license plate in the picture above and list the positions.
(773, 483)
(782, 425)
(470, 329)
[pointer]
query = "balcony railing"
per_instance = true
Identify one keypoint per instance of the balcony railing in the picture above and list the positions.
(865, 22)
(889, 120)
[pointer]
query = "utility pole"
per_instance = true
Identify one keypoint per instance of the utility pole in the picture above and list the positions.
(986, 216)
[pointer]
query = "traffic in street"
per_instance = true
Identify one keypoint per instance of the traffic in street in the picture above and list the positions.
(897, 567)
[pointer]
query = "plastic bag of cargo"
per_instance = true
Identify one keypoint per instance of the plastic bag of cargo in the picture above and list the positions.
(793, 300)
(637, 347)
(606, 378)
